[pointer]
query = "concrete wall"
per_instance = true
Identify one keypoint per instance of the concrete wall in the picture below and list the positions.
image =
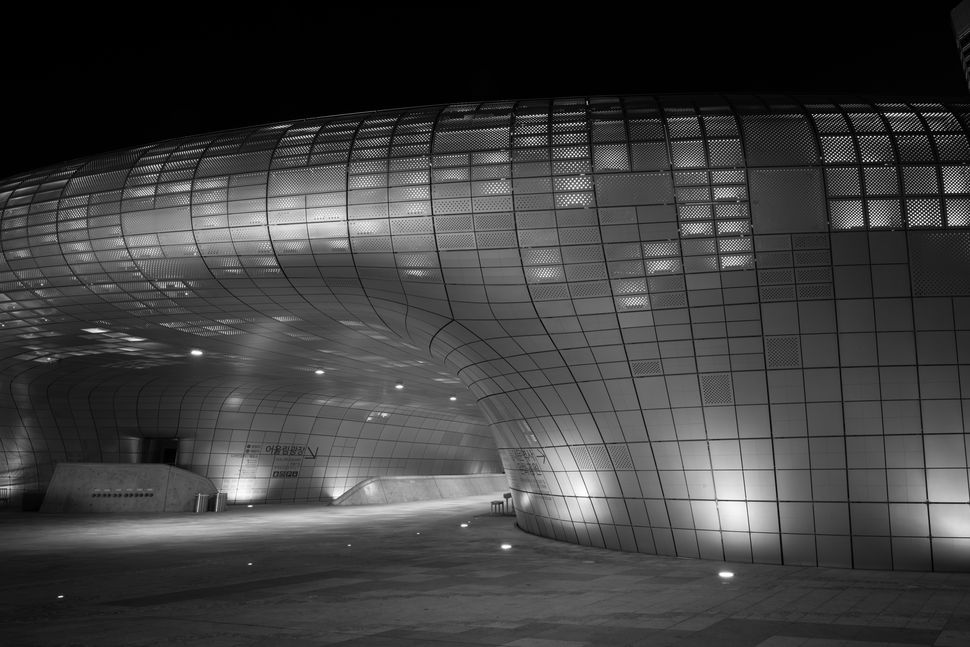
(120, 487)
(398, 489)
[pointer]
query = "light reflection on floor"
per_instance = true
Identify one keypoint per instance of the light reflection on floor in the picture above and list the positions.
(285, 575)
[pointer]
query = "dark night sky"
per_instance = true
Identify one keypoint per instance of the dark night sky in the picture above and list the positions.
(82, 83)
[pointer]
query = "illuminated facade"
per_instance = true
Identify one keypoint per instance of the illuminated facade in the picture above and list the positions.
(720, 327)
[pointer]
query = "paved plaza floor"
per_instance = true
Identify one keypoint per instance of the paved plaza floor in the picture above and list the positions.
(410, 574)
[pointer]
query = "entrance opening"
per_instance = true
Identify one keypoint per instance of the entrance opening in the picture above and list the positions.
(160, 450)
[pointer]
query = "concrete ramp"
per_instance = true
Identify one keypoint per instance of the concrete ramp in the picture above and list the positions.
(123, 487)
(400, 489)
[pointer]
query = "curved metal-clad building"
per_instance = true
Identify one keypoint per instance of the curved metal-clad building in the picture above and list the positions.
(720, 327)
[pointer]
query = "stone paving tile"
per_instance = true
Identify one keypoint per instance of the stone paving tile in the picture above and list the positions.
(793, 641)
(545, 642)
(959, 622)
(147, 580)
(952, 638)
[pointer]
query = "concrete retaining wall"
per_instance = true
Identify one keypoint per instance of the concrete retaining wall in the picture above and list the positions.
(399, 489)
(123, 487)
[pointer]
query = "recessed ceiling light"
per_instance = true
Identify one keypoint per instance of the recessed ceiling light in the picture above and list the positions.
(319, 371)
(453, 398)
(506, 546)
(95, 330)
(726, 574)
(133, 339)
(398, 386)
(196, 352)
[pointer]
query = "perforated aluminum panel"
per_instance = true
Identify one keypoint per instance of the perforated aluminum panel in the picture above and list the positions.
(723, 328)
(940, 263)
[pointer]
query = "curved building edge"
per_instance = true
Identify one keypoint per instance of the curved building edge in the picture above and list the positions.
(733, 331)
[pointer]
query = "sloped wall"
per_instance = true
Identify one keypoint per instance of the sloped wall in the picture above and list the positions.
(399, 489)
(118, 487)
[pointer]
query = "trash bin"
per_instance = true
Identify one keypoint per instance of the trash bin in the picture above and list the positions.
(219, 503)
(201, 502)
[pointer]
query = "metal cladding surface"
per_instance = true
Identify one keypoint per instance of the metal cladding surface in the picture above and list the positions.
(721, 327)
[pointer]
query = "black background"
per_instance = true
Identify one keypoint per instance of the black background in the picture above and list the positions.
(85, 81)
